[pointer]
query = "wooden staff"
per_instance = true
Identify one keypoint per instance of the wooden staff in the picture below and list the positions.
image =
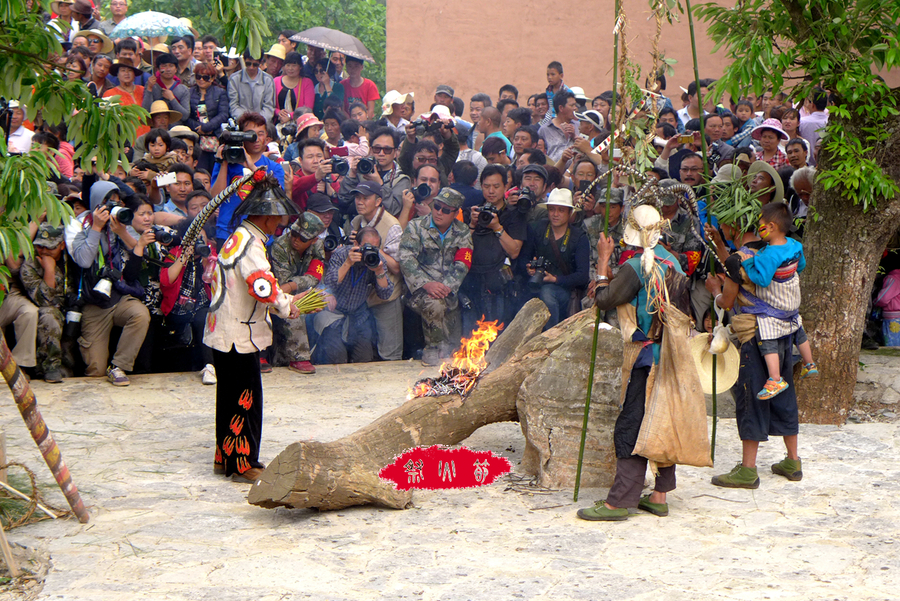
(27, 404)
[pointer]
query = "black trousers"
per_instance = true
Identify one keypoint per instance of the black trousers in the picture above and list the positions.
(239, 406)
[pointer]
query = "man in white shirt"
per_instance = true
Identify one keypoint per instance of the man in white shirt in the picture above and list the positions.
(19, 135)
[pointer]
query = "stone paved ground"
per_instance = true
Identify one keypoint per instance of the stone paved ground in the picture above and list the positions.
(164, 527)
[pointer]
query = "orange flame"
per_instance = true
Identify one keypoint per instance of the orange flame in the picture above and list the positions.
(460, 375)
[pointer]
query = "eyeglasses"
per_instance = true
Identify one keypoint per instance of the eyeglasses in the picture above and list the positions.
(319, 72)
(382, 149)
(204, 77)
(252, 63)
(444, 208)
(691, 169)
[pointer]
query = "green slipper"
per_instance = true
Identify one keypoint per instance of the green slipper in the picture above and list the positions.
(660, 509)
(602, 513)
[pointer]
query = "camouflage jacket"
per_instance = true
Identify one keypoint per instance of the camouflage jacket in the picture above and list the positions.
(305, 270)
(424, 258)
(684, 243)
(32, 276)
(594, 226)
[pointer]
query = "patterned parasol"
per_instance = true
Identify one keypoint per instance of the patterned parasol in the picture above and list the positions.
(334, 41)
(150, 24)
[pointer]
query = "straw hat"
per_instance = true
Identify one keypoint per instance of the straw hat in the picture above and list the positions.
(727, 364)
(560, 197)
(156, 50)
(390, 99)
(187, 23)
(758, 166)
(107, 46)
(727, 173)
(643, 219)
(183, 131)
(159, 107)
(277, 50)
(54, 6)
(114, 69)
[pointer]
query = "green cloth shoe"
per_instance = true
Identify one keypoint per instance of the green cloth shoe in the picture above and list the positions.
(660, 509)
(739, 477)
(792, 469)
(601, 513)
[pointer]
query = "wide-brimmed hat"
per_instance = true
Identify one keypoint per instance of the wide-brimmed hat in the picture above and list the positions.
(307, 120)
(183, 131)
(727, 364)
(117, 65)
(579, 93)
(758, 166)
(159, 107)
(774, 125)
(54, 6)
(439, 111)
(82, 7)
(155, 51)
(187, 23)
(391, 98)
(560, 197)
(278, 51)
(643, 227)
(593, 117)
(107, 46)
(727, 173)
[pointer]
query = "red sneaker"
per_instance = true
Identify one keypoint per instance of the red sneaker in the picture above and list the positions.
(302, 367)
(264, 367)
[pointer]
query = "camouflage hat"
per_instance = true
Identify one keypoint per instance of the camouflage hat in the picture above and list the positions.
(307, 227)
(49, 236)
(451, 198)
(616, 196)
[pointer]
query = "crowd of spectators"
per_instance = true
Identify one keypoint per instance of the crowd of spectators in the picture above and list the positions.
(417, 224)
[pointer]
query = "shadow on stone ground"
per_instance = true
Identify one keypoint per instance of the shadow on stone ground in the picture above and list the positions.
(164, 527)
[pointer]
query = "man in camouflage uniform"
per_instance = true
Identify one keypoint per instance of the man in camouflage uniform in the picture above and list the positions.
(44, 282)
(435, 256)
(298, 262)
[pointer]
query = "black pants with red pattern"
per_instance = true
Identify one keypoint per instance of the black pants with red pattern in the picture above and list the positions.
(239, 406)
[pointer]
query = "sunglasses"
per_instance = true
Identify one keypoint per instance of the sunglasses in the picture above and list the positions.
(382, 149)
(444, 208)
(319, 71)
(204, 77)
(252, 63)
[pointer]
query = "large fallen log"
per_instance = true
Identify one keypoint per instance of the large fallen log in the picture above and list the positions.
(343, 473)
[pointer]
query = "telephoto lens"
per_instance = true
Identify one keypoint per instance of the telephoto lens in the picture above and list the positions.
(421, 192)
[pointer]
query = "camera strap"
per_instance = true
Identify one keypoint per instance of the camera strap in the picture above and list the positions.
(553, 246)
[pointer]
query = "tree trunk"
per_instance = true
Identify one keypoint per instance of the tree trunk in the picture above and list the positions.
(843, 250)
(343, 473)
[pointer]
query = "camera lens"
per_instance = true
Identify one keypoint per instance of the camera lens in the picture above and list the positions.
(330, 243)
(122, 214)
(365, 166)
(485, 216)
(370, 257)
(422, 191)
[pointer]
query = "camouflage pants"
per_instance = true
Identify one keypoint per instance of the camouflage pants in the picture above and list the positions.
(291, 342)
(49, 334)
(440, 319)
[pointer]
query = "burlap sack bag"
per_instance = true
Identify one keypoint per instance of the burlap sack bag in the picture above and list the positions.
(674, 430)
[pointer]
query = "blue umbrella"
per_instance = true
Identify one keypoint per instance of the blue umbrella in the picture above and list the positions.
(150, 24)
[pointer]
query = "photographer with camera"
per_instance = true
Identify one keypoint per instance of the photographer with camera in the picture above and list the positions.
(438, 123)
(175, 208)
(435, 256)
(418, 200)
(298, 262)
(108, 288)
(498, 233)
(532, 191)
(561, 258)
(388, 313)
(313, 172)
(347, 333)
(250, 138)
(386, 173)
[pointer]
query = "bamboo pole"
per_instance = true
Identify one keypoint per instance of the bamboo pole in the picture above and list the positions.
(612, 145)
(27, 404)
(712, 312)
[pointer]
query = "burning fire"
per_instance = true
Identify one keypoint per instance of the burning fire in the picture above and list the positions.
(459, 377)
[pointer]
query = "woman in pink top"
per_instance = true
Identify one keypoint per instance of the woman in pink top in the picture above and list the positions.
(292, 90)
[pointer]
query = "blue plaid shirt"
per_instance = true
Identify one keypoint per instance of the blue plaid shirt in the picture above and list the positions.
(352, 293)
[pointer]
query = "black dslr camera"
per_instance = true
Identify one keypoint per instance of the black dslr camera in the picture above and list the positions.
(526, 200)
(370, 256)
(165, 236)
(432, 123)
(486, 214)
(340, 166)
(201, 249)
(331, 242)
(539, 264)
(365, 165)
(233, 141)
(123, 215)
(421, 192)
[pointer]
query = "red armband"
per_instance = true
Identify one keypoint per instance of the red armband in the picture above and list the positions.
(316, 269)
(464, 256)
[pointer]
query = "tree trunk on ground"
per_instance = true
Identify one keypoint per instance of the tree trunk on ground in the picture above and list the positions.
(843, 250)
(344, 472)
